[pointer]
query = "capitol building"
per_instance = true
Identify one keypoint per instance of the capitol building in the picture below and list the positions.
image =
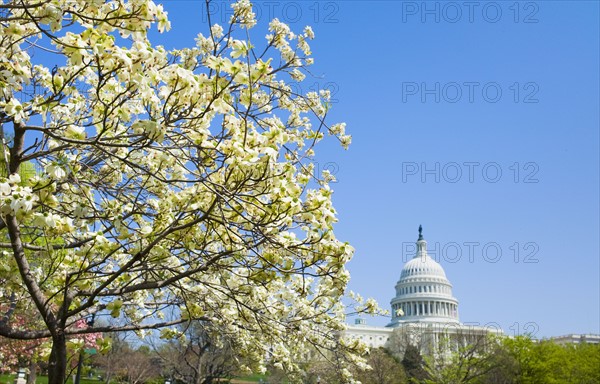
(424, 311)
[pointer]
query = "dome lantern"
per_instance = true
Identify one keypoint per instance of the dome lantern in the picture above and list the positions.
(421, 244)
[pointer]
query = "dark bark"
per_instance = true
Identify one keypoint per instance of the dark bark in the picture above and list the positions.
(57, 363)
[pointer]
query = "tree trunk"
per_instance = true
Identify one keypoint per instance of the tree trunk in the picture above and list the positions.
(32, 372)
(57, 363)
(198, 377)
(108, 377)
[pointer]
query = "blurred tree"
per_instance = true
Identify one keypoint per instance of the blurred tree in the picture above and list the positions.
(414, 364)
(469, 362)
(123, 363)
(203, 355)
(385, 369)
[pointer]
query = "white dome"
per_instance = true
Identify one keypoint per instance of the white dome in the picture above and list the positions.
(422, 266)
(423, 293)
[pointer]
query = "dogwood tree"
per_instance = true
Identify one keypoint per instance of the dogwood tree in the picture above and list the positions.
(171, 185)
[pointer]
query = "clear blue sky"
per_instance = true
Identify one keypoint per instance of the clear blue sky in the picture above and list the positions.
(418, 87)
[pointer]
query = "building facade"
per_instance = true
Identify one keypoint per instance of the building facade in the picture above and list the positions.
(576, 339)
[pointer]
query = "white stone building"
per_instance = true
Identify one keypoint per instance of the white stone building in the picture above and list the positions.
(424, 311)
(576, 339)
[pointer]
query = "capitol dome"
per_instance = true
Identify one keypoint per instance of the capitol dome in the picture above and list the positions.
(423, 293)
(422, 266)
